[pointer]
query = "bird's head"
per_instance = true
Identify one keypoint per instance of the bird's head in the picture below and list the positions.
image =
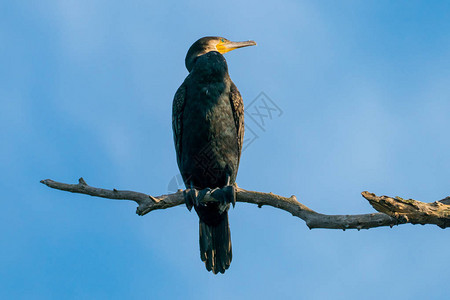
(212, 43)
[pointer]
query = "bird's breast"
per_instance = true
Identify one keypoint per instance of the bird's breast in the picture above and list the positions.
(208, 113)
(209, 140)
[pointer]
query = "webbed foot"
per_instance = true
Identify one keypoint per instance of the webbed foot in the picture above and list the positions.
(194, 197)
(225, 196)
(190, 197)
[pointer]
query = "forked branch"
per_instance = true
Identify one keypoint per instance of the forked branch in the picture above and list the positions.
(392, 211)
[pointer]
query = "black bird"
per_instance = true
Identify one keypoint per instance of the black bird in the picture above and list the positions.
(208, 128)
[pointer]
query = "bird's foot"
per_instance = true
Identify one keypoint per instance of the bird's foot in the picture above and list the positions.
(225, 195)
(189, 197)
(194, 197)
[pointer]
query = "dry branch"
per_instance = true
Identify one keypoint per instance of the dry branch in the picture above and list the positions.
(412, 211)
(392, 211)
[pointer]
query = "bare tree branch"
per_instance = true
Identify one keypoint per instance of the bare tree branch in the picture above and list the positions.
(391, 211)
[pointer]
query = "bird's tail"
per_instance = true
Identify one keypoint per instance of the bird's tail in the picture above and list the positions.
(215, 244)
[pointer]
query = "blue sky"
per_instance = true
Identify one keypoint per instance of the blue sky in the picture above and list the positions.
(86, 89)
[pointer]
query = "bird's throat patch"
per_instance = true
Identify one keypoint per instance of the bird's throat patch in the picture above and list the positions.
(222, 48)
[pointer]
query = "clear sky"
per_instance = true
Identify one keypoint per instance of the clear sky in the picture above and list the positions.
(86, 89)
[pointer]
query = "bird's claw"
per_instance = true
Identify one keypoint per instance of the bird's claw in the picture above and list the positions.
(202, 195)
(194, 197)
(225, 195)
(190, 196)
(231, 191)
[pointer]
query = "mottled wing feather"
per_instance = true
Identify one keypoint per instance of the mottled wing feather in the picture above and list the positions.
(177, 117)
(238, 113)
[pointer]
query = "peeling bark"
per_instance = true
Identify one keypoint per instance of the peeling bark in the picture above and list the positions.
(412, 211)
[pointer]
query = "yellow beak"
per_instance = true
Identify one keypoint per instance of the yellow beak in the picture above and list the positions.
(227, 46)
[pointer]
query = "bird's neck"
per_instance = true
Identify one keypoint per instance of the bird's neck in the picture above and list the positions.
(211, 64)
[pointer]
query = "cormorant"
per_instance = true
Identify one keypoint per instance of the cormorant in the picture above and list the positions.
(208, 128)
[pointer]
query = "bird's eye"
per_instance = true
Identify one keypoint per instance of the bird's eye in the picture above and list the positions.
(222, 40)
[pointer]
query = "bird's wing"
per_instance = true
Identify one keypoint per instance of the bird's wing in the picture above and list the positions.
(238, 113)
(177, 117)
